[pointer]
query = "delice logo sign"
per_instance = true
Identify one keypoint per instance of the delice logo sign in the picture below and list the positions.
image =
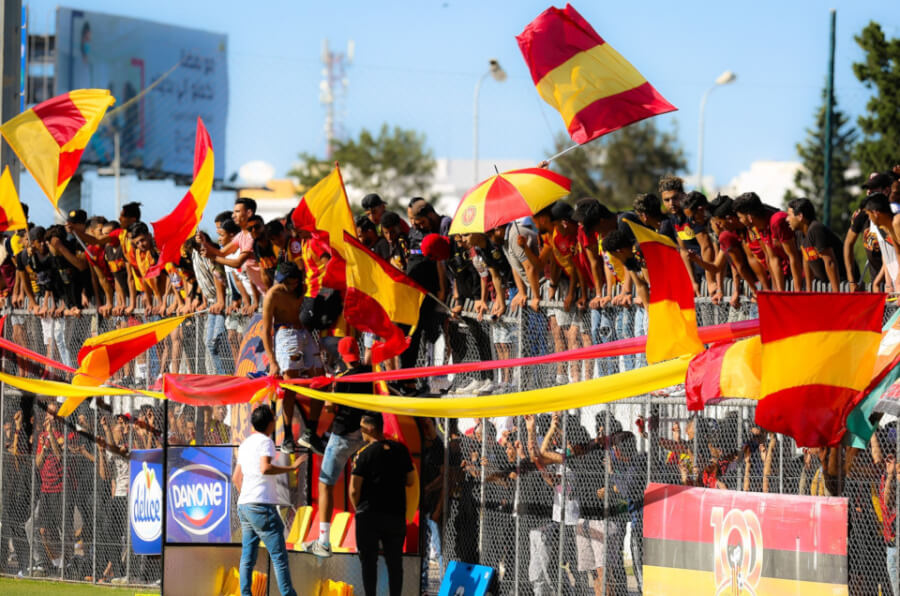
(145, 504)
(199, 498)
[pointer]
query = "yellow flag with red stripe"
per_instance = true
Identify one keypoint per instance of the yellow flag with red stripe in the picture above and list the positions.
(50, 137)
(12, 216)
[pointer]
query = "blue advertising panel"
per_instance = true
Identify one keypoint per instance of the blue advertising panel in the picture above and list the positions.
(199, 494)
(145, 501)
(183, 70)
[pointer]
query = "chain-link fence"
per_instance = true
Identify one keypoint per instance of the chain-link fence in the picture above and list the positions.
(553, 502)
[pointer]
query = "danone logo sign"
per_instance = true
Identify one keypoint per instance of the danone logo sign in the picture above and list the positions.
(199, 498)
(145, 504)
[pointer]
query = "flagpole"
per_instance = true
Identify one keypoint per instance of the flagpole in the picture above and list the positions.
(563, 152)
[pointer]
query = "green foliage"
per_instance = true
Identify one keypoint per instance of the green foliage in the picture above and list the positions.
(880, 72)
(810, 179)
(616, 167)
(395, 163)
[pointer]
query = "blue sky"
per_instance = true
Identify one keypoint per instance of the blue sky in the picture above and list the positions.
(417, 63)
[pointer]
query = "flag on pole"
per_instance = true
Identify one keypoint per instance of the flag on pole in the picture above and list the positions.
(12, 216)
(324, 211)
(174, 229)
(102, 356)
(672, 320)
(592, 86)
(378, 296)
(818, 353)
(50, 137)
(725, 370)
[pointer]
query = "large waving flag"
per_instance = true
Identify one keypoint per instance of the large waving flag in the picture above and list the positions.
(100, 357)
(594, 88)
(324, 211)
(50, 137)
(672, 320)
(379, 295)
(12, 216)
(818, 353)
(179, 225)
(725, 370)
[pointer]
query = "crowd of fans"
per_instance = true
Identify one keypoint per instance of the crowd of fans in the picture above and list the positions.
(570, 268)
(580, 258)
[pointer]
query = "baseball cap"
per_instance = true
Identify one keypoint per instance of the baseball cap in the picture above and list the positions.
(560, 211)
(77, 216)
(435, 246)
(372, 200)
(348, 348)
(879, 180)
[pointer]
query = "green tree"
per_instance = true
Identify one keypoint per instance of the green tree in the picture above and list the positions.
(810, 178)
(616, 167)
(880, 125)
(395, 163)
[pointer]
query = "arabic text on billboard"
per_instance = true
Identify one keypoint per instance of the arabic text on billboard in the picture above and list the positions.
(96, 50)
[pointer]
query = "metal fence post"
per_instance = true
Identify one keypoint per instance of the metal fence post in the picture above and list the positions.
(482, 476)
(606, 461)
(34, 532)
(94, 499)
(126, 528)
(780, 441)
(65, 493)
(445, 496)
(562, 505)
(516, 512)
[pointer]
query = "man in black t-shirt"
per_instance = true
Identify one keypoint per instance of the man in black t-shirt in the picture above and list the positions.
(382, 471)
(819, 245)
(345, 440)
(859, 225)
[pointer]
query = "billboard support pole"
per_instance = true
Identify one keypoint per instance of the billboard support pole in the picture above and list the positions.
(10, 73)
(117, 169)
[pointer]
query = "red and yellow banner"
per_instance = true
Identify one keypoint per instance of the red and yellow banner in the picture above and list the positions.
(379, 295)
(725, 370)
(672, 320)
(12, 216)
(100, 357)
(593, 87)
(818, 353)
(174, 229)
(50, 137)
(324, 211)
(709, 541)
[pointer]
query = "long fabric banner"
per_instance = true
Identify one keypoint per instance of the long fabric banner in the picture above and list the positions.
(565, 397)
(67, 390)
(703, 541)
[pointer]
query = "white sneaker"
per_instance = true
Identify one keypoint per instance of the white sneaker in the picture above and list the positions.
(562, 379)
(468, 389)
(486, 388)
(317, 548)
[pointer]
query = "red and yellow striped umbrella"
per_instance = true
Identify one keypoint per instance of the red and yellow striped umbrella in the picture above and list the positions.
(506, 197)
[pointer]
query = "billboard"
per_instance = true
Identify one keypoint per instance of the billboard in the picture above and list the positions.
(733, 543)
(145, 501)
(185, 69)
(199, 494)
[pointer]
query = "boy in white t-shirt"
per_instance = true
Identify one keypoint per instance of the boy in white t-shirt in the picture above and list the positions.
(254, 477)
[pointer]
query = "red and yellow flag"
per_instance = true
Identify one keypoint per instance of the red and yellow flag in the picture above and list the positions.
(324, 211)
(379, 295)
(594, 88)
(12, 216)
(179, 225)
(672, 320)
(50, 137)
(818, 353)
(725, 370)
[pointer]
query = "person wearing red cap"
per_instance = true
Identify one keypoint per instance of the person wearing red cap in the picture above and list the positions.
(345, 440)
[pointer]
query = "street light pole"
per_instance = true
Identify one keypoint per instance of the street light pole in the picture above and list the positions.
(499, 75)
(723, 79)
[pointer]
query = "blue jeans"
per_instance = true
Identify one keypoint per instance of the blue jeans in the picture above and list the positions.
(602, 331)
(262, 522)
(215, 341)
(893, 569)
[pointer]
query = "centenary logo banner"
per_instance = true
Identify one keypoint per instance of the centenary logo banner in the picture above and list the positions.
(704, 541)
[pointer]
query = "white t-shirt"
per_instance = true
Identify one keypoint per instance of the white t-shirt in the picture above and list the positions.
(256, 487)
